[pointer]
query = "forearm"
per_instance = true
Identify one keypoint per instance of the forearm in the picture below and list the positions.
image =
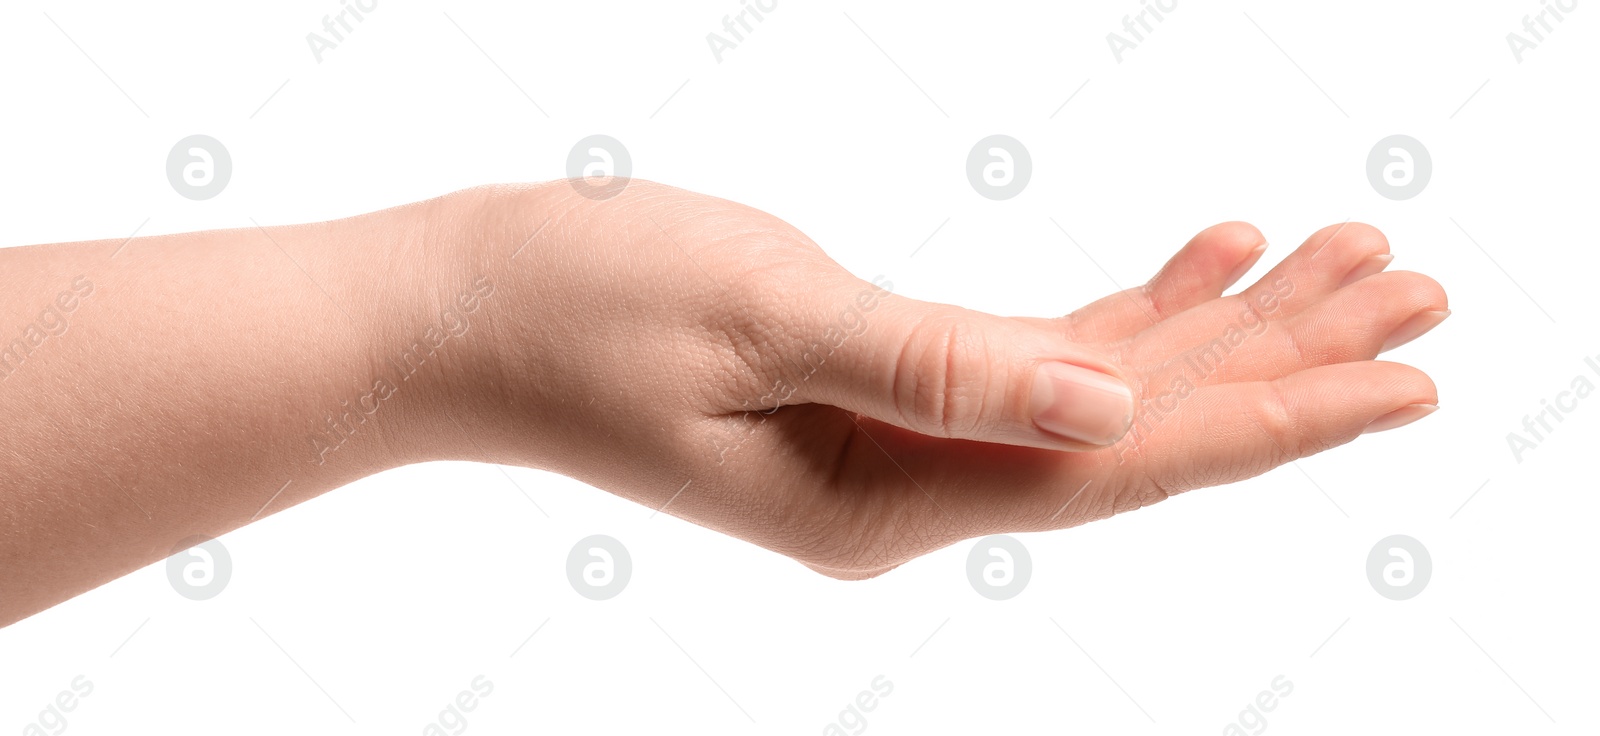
(177, 386)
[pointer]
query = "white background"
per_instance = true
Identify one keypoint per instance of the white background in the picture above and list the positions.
(369, 609)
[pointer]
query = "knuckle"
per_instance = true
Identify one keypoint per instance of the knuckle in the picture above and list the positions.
(745, 337)
(1274, 413)
(1152, 301)
(1147, 490)
(756, 330)
(942, 379)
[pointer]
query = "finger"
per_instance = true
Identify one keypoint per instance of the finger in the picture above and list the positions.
(1331, 257)
(950, 372)
(949, 490)
(1355, 323)
(1211, 262)
(1230, 432)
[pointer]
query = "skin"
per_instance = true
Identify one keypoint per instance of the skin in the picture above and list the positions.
(651, 344)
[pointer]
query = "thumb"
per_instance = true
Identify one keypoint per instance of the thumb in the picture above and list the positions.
(946, 371)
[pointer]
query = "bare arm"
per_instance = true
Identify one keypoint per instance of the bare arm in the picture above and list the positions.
(679, 350)
(183, 385)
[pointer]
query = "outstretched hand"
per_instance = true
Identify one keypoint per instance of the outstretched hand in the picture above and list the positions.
(707, 359)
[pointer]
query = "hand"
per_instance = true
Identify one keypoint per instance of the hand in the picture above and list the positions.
(707, 359)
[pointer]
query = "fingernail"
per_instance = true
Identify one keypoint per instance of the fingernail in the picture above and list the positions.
(1372, 265)
(1245, 265)
(1081, 404)
(1413, 328)
(1400, 417)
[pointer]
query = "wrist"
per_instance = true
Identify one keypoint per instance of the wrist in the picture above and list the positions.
(417, 298)
(459, 351)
